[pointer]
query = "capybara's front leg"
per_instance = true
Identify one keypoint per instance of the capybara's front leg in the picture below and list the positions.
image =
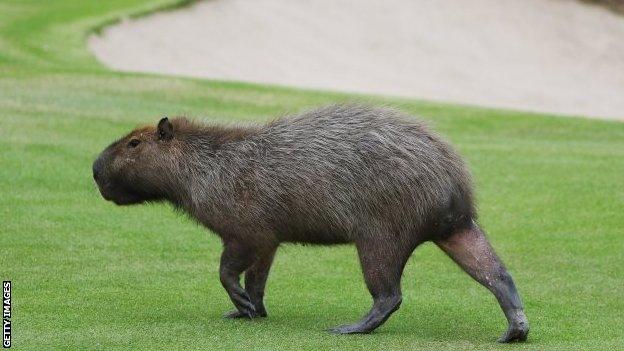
(470, 249)
(255, 281)
(382, 263)
(235, 259)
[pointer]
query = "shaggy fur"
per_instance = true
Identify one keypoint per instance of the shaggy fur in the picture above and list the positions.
(341, 174)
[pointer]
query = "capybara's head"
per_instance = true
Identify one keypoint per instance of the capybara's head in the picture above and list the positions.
(135, 168)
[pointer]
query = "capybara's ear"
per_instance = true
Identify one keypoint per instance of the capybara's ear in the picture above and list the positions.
(165, 129)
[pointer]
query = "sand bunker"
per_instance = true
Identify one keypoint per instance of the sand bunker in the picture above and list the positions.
(558, 56)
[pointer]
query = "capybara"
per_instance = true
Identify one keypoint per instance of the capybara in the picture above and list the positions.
(373, 177)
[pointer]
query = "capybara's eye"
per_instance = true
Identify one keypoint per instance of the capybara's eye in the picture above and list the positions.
(133, 143)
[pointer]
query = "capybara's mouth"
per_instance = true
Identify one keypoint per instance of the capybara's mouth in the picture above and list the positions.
(127, 200)
(118, 197)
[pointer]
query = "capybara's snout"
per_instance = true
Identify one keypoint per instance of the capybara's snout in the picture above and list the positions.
(110, 182)
(97, 169)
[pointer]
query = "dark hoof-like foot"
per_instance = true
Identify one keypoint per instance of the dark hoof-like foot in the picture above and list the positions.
(516, 332)
(238, 314)
(349, 329)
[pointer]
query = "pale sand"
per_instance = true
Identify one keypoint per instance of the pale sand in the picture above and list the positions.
(558, 56)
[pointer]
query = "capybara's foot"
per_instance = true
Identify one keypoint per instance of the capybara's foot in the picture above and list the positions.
(238, 314)
(235, 315)
(517, 331)
(381, 311)
(349, 329)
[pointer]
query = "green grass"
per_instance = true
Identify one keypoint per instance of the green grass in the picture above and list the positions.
(89, 275)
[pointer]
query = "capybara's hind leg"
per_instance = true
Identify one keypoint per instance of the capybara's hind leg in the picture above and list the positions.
(382, 263)
(470, 249)
(255, 281)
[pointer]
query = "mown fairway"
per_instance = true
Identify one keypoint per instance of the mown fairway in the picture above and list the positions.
(89, 275)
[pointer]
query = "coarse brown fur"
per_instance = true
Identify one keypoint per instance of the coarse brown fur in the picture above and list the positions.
(373, 177)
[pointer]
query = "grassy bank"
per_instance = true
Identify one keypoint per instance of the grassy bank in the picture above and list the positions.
(89, 275)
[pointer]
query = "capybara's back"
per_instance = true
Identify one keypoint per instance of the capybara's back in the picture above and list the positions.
(373, 177)
(331, 175)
